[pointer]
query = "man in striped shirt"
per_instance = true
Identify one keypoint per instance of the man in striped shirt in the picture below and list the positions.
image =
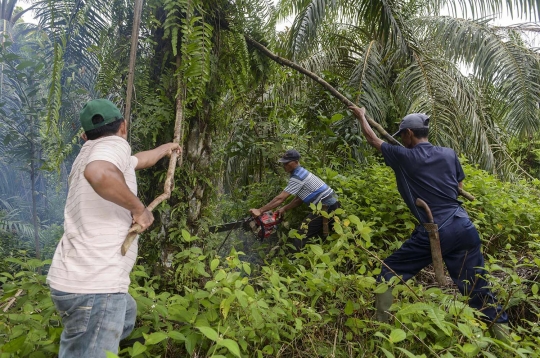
(308, 189)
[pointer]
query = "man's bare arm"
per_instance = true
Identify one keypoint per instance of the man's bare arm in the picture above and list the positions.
(274, 203)
(370, 135)
(293, 204)
(149, 158)
(109, 183)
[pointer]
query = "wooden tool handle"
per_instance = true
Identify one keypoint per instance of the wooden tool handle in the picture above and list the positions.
(466, 195)
(421, 203)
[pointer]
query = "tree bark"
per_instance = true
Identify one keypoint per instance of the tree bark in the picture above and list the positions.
(34, 202)
(198, 153)
(133, 57)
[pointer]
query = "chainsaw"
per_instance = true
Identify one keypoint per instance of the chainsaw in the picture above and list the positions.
(262, 226)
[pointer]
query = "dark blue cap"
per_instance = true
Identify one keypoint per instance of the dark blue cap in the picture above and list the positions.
(290, 156)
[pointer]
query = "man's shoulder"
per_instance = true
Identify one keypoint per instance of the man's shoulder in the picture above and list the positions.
(444, 150)
(387, 148)
(300, 173)
(109, 145)
(112, 140)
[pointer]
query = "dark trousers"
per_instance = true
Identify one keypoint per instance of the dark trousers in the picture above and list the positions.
(312, 226)
(460, 246)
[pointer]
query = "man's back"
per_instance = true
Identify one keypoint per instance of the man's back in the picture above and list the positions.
(88, 259)
(307, 186)
(428, 172)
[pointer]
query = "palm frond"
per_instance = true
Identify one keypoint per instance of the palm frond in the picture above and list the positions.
(499, 57)
(306, 24)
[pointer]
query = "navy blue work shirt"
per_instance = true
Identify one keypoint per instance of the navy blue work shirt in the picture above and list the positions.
(428, 172)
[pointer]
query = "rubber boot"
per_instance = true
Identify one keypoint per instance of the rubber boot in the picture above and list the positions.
(383, 301)
(501, 331)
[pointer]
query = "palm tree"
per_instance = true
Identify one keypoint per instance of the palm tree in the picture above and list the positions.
(22, 106)
(9, 18)
(405, 57)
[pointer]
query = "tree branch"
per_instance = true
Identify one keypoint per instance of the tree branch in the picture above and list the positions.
(169, 180)
(284, 62)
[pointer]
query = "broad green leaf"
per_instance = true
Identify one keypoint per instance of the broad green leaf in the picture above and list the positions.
(409, 354)
(7, 274)
(187, 236)
(209, 333)
(386, 353)
(383, 287)
(13, 345)
(220, 275)
(231, 345)
(214, 264)
(437, 317)
(177, 336)
(469, 348)
(336, 117)
(465, 330)
(317, 250)
(349, 308)
(534, 289)
(110, 355)
(241, 296)
(140, 274)
(249, 290)
(247, 268)
(155, 338)
(337, 228)
(24, 64)
(225, 306)
(191, 342)
(397, 335)
(138, 348)
(354, 219)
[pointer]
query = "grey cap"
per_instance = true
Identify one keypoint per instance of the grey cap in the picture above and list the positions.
(413, 121)
(290, 156)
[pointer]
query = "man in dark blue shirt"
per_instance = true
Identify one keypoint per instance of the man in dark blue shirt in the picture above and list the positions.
(434, 175)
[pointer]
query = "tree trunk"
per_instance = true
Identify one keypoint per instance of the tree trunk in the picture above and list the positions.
(167, 249)
(34, 202)
(198, 156)
(133, 57)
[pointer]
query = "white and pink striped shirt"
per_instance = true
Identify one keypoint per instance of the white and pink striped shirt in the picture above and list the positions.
(87, 258)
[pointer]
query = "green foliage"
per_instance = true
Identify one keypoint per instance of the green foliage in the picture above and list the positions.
(526, 153)
(55, 90)
(318, 301)
(31, 327)
(188, 31)
(512, 218)
(225, 308)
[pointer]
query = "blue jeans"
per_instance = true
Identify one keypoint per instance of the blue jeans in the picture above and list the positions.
(460, 247)
(93, 323)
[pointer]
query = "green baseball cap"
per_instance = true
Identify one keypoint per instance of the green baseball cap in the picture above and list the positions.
(102, 107)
